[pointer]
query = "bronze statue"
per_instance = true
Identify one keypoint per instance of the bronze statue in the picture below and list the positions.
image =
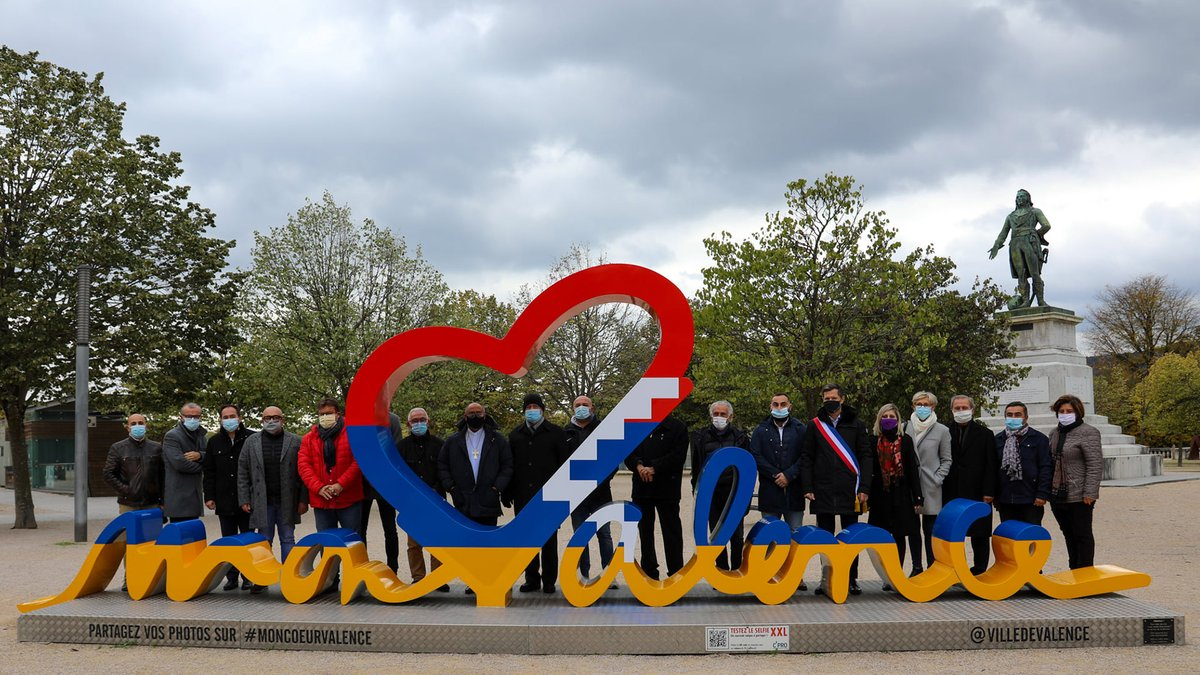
(1026, 251)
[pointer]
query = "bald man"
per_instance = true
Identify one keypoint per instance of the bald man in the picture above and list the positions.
(269, 486)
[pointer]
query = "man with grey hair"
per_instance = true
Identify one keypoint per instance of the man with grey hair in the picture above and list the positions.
(420, 450)
(972, 472)
(721, 432)
(269, 485)
(183, 453)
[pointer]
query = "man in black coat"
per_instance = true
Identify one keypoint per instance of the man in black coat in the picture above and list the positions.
(583, 422)
(221, 481)
(475, 466)
(539, 448)
(420, 450)
(657, 465)
(721, 432)
(775, 444)
(828, 481)
(972, 473)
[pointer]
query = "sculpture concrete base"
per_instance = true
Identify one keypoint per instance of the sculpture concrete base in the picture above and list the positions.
(703, 622)
(1046, 343)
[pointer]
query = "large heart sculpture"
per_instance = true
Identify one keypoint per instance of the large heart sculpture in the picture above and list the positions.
(429, 518)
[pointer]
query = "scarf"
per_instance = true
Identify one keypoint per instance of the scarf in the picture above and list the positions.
(890, 463)
(921, 428)
(1011, 460)
(330, 437)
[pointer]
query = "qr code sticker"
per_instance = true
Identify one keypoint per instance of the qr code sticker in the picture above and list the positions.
(718, 638)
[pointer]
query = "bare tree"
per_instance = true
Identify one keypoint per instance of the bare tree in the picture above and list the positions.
(1137, 322)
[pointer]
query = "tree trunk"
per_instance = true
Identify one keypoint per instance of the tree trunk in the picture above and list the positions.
(14, 413)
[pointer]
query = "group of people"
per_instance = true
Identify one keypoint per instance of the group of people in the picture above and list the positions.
(899, 471)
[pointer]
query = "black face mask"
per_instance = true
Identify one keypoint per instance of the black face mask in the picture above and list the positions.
(475, 421)
(830, 407)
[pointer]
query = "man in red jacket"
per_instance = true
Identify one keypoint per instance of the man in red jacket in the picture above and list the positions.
(329, 471)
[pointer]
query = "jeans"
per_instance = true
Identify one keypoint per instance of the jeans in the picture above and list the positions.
(279, 521)
(603, 541)
(794, 519)
(349, 517)
(232, 524)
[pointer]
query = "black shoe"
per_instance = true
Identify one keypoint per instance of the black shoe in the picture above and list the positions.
(529, 587)
(256, 589)
(887, 587)
(916, 571)
(124, 588)
(444, 588)
(803, 586)
(246, 584)
(470, 591)
(819, 591)
(230, 585)
(548, 589)
(854, 589)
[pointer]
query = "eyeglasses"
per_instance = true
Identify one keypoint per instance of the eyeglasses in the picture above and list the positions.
(191, 417)
(272, 418)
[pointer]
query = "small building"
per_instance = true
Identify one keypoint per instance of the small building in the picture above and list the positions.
(50, 437)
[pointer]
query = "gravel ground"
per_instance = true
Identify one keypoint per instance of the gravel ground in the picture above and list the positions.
(1149, 529)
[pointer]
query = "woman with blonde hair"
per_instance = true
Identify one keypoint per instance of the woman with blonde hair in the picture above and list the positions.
(895, 482)
(932, 444)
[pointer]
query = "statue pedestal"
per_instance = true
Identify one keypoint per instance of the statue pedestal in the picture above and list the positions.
(1045, 341)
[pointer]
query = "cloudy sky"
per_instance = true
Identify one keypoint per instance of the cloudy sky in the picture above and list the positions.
(495, 135)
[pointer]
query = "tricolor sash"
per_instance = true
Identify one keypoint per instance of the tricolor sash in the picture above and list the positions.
(841, 448)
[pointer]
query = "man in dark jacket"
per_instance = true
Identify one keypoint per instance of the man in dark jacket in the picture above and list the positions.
(720, 432)
(220, 481)
(539, 448)
(657, 465)
(835, 467)
(972, 473)
(583, 422)
(1025, 468)
(420, 450)
(775, 444)
(134, 468)
(183, 452)
(475, 466)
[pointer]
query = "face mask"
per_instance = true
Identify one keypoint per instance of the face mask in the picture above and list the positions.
(720, 423)
(475, 421)
(1066, 419)
(888, 423)
(831, 407)
(963, 416)
(272, 427)
(327, 420)
(582, 412)
(1013, 423)
(533, 415)
(923, 412)
(779, 413)
(230, 425)
(191, 424)
(137, 431)
(420, 428)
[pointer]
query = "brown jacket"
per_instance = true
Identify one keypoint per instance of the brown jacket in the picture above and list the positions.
(135, 470)
(1082, 462)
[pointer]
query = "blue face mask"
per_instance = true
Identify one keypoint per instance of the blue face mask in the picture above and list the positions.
(1013, 423)
(137, 432)
(533, 415)
(420, 428)
(191, 424)
(923, 412)
(780, 413)
(231, 424)
(582, 412)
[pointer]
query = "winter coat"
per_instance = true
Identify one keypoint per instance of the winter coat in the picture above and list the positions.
(892, 507)
(1082, 462)
(933, 452)
(972, 470)
(221, 470)
(252, 486)
(476, 498)
(825, 475)
(706, 441)
(311, 466)
(135, 470)
(537, 453)
(773, 456)
(421, 455)
(602, 495)
(1036, 469)
(183, 495)
(664, 450)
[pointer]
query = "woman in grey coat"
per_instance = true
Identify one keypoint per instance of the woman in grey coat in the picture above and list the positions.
(1075, 486)
(269, 486)
(932, 443)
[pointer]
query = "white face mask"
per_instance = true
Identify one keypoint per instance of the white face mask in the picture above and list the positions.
(327, 420)
(720, 423)
(1066, 419)
(963, 416)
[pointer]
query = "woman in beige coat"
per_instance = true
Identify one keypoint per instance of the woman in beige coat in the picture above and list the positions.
(932, 443)
(1075, 487)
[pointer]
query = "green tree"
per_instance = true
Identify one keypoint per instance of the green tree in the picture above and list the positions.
(1137, 322)
(321, 295)
(1115, 384)
(1169, 399)
(74, 191)
(821, 294)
